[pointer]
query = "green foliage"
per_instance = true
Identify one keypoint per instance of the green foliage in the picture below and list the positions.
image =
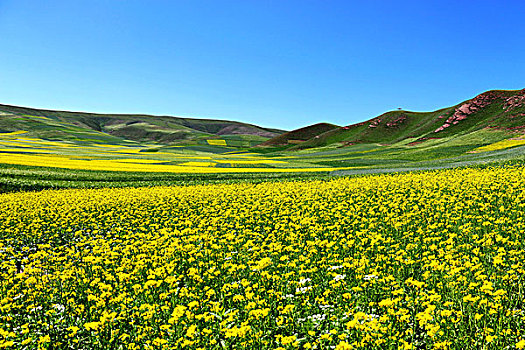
(15, 178)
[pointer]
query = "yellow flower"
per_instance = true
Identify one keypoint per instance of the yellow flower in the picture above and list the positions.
(44, 339)
(159, 342)
(288, 340)
(343, 346)
(263, 263)
(190, 333)
(73, 330)
(490, 338)
(92, 326)
(386, 302)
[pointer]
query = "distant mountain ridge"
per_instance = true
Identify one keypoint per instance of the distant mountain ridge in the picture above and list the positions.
(502, 110)
(52, 124)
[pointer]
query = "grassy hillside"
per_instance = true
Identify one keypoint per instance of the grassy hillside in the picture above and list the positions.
(488, 129)
(93, 150)
(114, 128)
(298, 136)
(498, 110)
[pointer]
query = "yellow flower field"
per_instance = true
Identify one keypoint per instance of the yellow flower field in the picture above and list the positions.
(433, 260)
(121, 158)
(216, 142)
(142, 165)
(504, 144)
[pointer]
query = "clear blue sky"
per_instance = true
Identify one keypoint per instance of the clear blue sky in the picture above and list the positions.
(280, 63)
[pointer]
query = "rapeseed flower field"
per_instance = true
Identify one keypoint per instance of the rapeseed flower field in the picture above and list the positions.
(134, 157)
(431, 260)
(504, 144)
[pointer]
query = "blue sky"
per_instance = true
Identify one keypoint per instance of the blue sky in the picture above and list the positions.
(282, 64)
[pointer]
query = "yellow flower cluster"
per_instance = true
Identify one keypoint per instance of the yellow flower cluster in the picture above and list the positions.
(144, 165)
(14, 133)
(142, 158)
(504, 144)
(215, 142)
(432, 260)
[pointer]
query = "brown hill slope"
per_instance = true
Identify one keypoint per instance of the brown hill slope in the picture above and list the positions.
(299, 135)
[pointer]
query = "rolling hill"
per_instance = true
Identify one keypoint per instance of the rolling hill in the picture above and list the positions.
(114, 128)
(487, 129)
(299, 135)
(498, 110)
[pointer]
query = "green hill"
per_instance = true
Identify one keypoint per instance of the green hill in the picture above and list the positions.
(498, 110)
(115, 128)
(487, 129)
